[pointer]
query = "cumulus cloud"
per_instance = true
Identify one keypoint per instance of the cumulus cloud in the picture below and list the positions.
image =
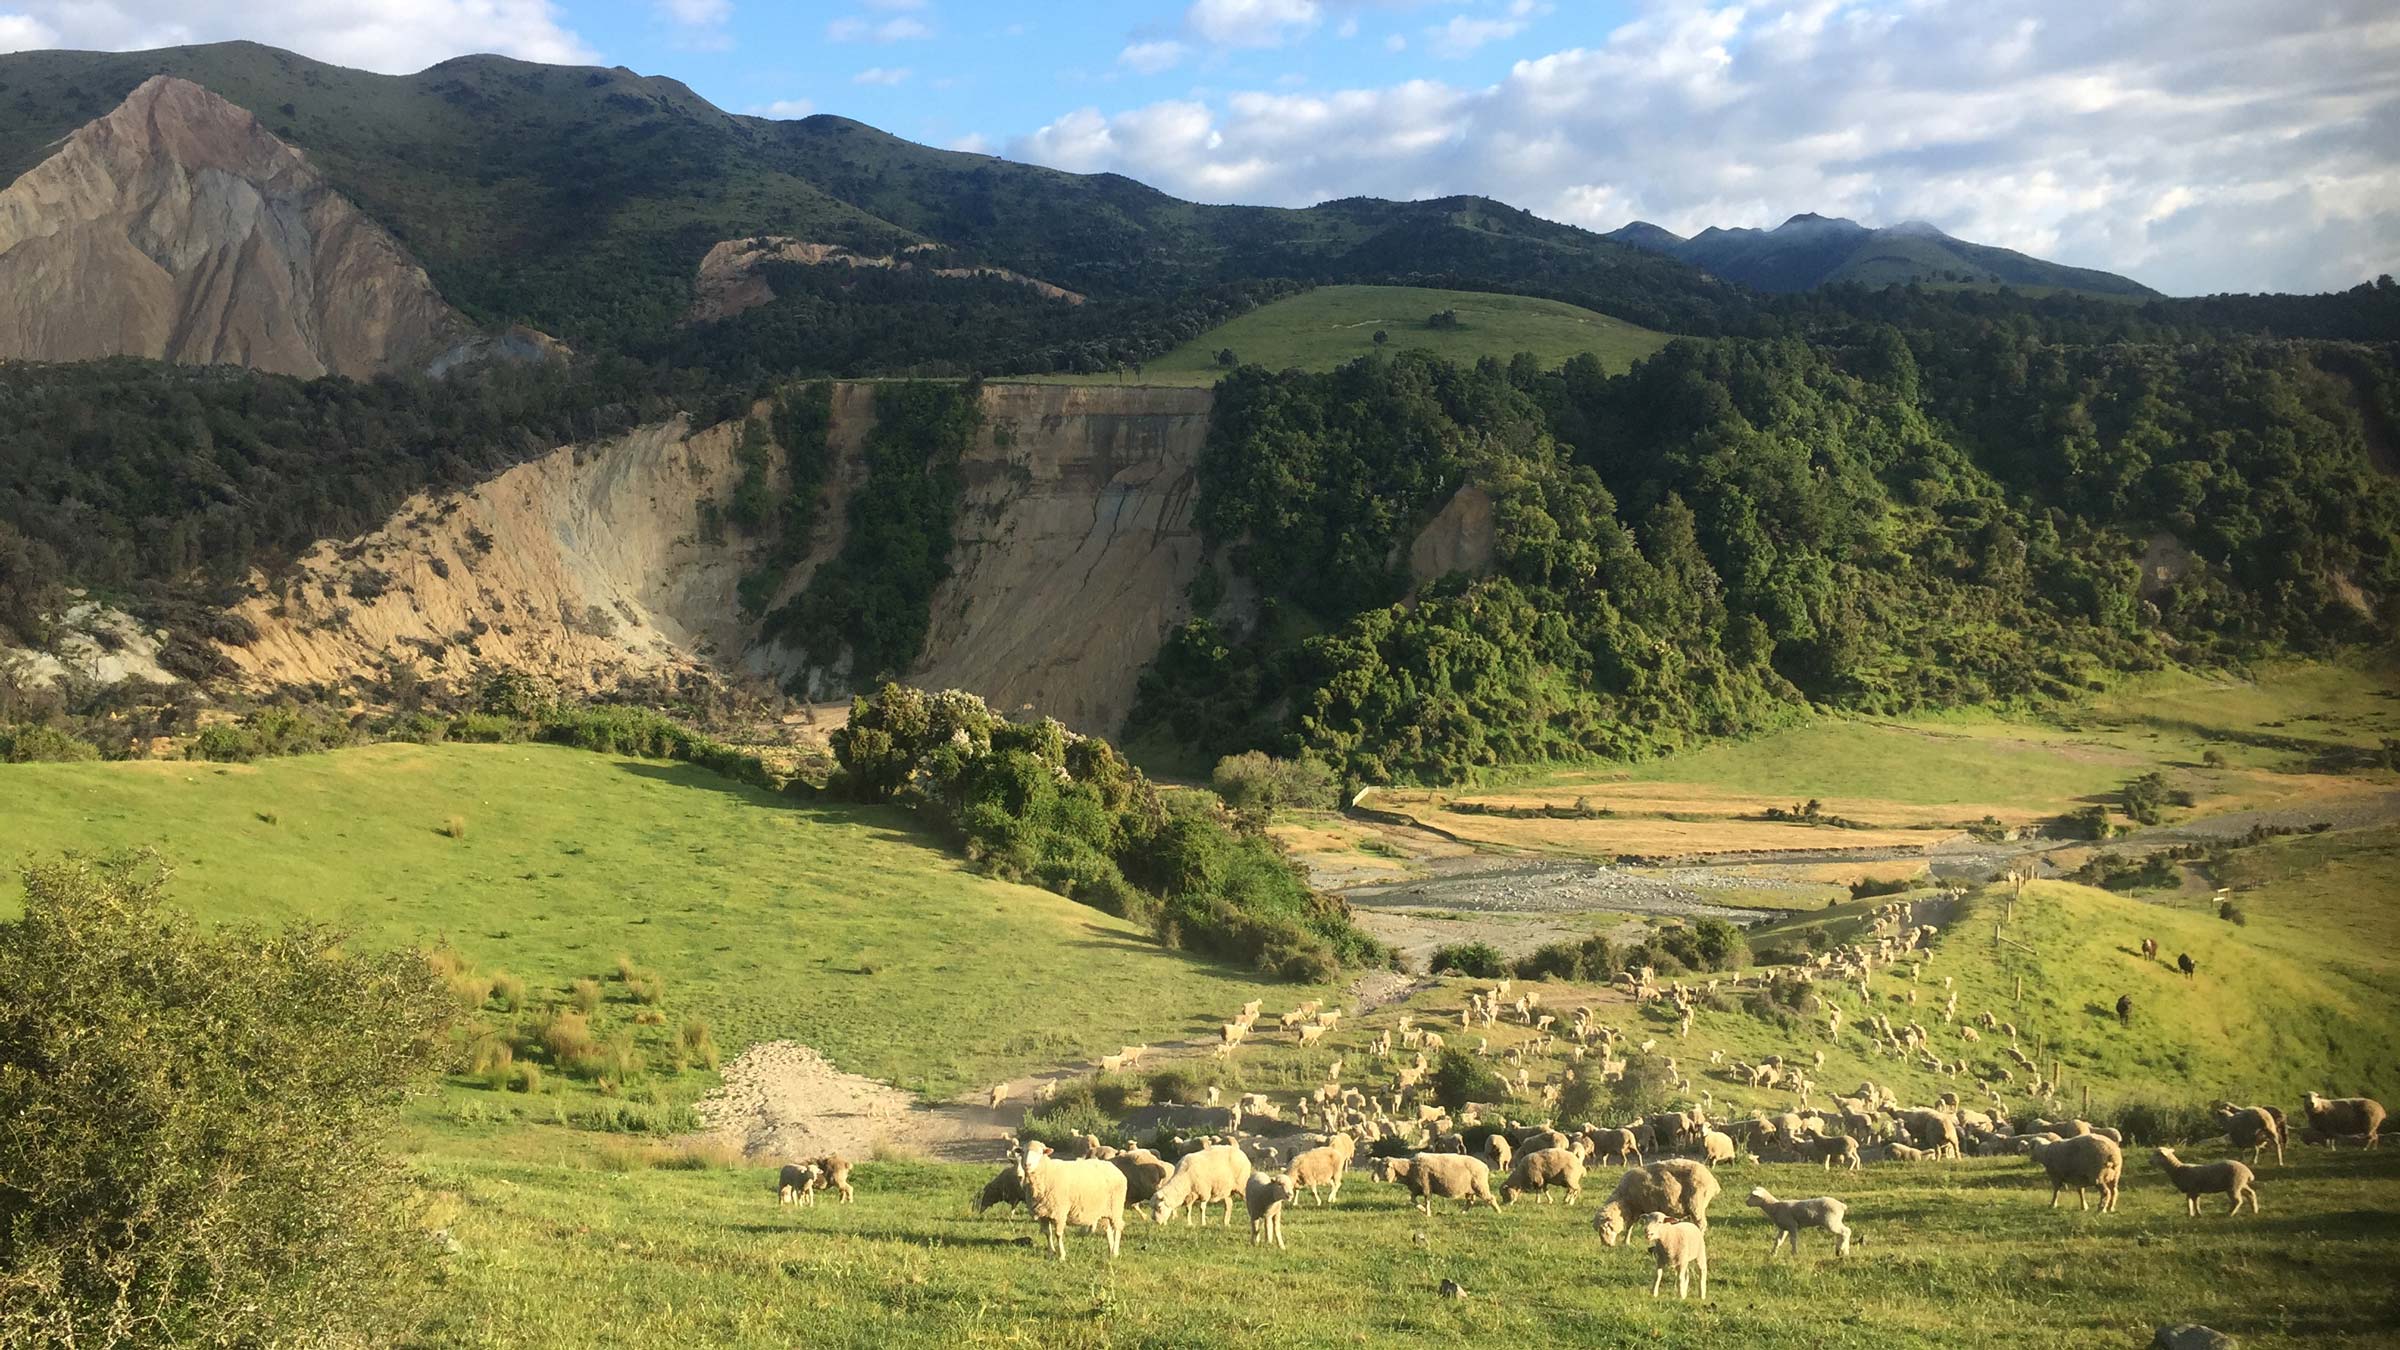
(1253, 23)
(883, 75)
(858, 28)
(1463, 34)
(1152, 58)
(2220, 145)
(393, 36)
(782, 108)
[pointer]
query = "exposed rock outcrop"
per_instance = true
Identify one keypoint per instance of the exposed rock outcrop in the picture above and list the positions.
(177, 228)
(728, 281)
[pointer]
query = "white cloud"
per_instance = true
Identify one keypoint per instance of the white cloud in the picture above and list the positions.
(697, 13)
(782, 108)
(2222, 145)
(24, 33)
(1253, 23)
(1152, 58)
(1395, 43)
(393, 36)
(974, 143)
(1463, 35)
(854, 28)
(883, 75)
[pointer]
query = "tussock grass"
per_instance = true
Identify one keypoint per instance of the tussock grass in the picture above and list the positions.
(455, 827)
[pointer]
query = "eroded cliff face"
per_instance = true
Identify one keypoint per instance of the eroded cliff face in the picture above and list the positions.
(177, 228)
(597, 563)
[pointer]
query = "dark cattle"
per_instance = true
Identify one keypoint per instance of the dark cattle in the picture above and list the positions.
(2187, 965)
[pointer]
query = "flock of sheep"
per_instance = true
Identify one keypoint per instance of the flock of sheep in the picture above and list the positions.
(1409, 1141)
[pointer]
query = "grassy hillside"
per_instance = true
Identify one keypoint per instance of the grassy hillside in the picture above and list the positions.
(842, 928)
(1324, 327)
(558, 1251)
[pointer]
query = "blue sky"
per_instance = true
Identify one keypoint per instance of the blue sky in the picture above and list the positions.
(2197, 145)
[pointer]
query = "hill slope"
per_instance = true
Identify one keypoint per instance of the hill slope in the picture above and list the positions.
(1810, 250)
(833, 925)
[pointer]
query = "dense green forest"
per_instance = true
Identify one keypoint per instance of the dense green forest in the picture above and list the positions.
(1733, 529)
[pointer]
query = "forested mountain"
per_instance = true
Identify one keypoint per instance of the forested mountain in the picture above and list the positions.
(1811, 250)
(581, 200)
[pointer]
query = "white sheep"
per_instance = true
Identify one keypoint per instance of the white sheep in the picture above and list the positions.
(2229, 1177)
(2081, 1161)
(1323, 1167)
(1455, 1176)
(796, 1184)
(1538, 1170)
(1265, 1196)
(2344, 1115)
(1680, 1245)
(2256, 1128)
(1790, 1216)
(1204, 1177)
(1676, 1187)
(1062, 1192)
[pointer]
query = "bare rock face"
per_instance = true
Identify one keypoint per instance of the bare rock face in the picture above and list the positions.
(178, 228)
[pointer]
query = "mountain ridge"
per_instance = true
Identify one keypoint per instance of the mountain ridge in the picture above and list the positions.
(1809, 250)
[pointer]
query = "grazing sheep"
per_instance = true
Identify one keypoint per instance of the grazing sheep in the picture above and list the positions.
(1144, 1173)
(1497, 1151)
(2217, 1178)
(1456, 1176)
(1826, 1149)
(1324, 1167)
(1005, 1189)
(1063, 1192)
(2344, 1115)
(1615, 1146)
(833, 1173)
(1204, 1177)
(2082, 1161)
(1681, 1246)
(1716, 1146)
(2256, 1128)
(797, 1184)
(1266, 1196)
(1676, 1187)
(1790, 1216)
(1539, 1169)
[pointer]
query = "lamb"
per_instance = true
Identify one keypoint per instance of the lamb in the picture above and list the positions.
(1790, 1216)
(2217, 1178)
(797, 1184)
(2344, 1115)
(1676, 1187)
(1204, 1177)
(1457, 1176)
(1265, 1196)
(1005, 1189)
(1324, 1167)
(2256, 1128)
(2081, 1161)
(1061, 1192)
(833, 1174)
(1680, 1245)
(1716, 1146)
(1144, 1173)
(1540, 1169)
(1497, 1151)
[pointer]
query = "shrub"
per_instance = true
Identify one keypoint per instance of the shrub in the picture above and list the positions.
(186, 1108)
(1459, 1078)
(626, 969)
(647, 987)
(567, 1038)
(455, 827)
(1867, 888)
(585, 995)
(508, 991)
(1479, 960)
(36, 742)
(525, 1076)
(2152, 1123)
(489, 1057)
(1057, 1123)
(1592, 959)
(2233, 913)
(697, 1043)
(1261, 784)
(1189, 1082)
(620, 1059)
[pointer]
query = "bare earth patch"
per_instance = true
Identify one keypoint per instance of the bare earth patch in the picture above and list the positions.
(782, 1099)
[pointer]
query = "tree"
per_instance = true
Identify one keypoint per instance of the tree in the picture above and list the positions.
(190, 1157)
(1382, 337)
(1448, 318)
(1226, 358)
